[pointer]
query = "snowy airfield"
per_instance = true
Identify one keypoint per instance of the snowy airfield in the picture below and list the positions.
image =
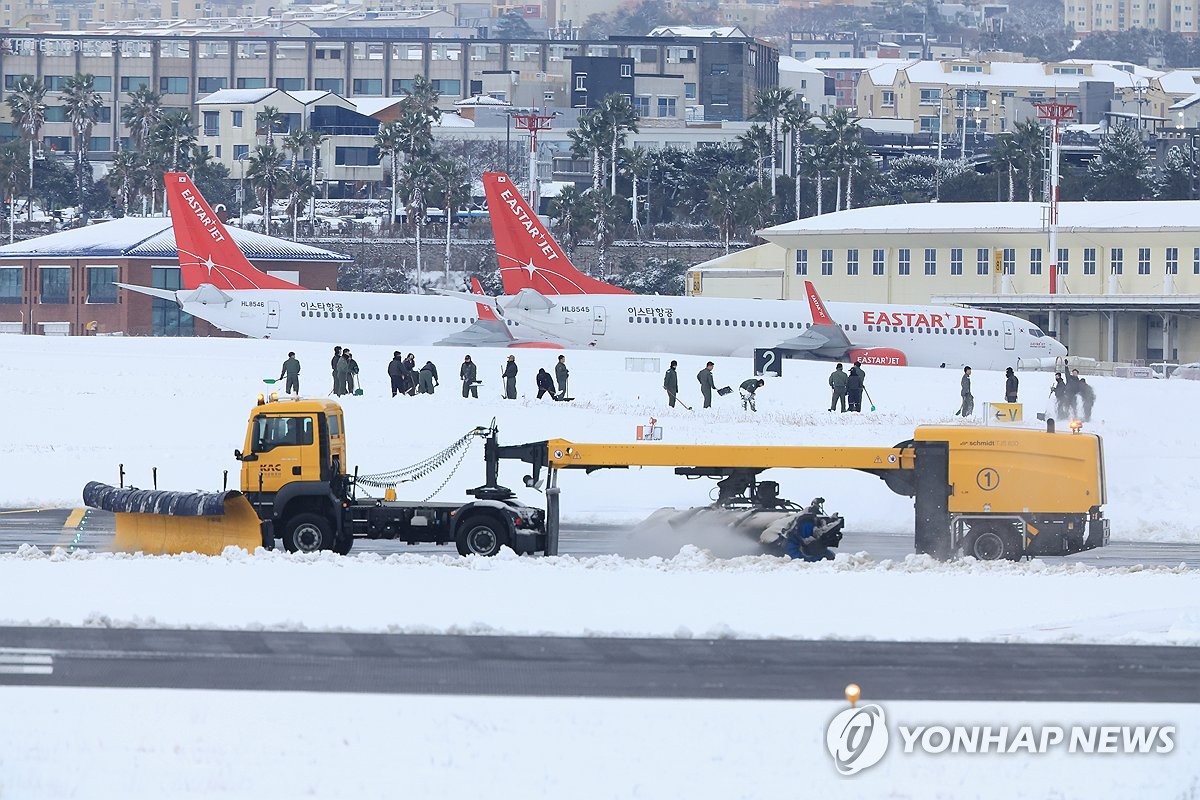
(79, 407)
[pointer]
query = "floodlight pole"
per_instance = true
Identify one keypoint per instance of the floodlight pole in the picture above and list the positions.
(533, 122)
(1057, 113)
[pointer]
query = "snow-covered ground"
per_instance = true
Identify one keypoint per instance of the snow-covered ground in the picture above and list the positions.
(79, 407)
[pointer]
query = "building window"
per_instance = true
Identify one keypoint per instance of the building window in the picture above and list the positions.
(826, 262)
(983, 260)
(903, 261)
(666, 106)
(241, 151)
(251, 83)
(930, 261)
(1172, 260)
(641, 105)
(877, 261)
(210, 85)
(102, 83)
(1064, 260)
(718, 69)
(1116, 261)
(173, 85)
(289, 84)
(1009, 263)
(56, 285)
(581, 82)
(1089, 260)
(356, 156)
(212, 123)
(238, 116)
(689, 91)
(802, 262)
(1035, 261)
(931, 97)
(449, 87)
(131, 83)
(369, 87)
(889, 99)
(956, 254)
(851, 262)
(100, 144)
(627, 70)
(101, 284)
(56, 114)
(328, 85)
(12, 281)
(1143, 261)
(166, 318)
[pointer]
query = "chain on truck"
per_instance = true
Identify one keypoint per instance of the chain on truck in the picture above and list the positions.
(987, 493)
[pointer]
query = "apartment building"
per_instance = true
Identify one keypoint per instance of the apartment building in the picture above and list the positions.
(1091, 16)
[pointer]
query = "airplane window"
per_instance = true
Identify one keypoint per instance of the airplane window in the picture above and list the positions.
(302, 313)
(853, 327)
(808, 324)
(631, 319)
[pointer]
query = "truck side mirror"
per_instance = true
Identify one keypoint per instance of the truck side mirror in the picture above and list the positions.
(247, 457)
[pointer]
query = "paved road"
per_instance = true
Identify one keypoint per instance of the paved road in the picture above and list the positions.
(594, 667)
(93, 530)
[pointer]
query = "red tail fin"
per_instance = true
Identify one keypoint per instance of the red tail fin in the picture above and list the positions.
(819, 314)
(528, 255)
(485, 311)
(207, 253)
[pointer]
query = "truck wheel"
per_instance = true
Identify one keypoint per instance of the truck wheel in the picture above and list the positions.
(308, 533)
(480, 536)
(992, 544)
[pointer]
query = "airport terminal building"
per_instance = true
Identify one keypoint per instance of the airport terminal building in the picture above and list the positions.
(1128, 285)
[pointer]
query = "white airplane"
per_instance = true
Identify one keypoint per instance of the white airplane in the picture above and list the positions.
(547, 295)
(223, 288)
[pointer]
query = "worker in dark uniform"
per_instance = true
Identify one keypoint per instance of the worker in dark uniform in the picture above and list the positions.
(510, 378)
(333, 365)
(468, 372)
(1010, 386)
(707, 384)
(396, 373)
(561, 374)
(748, 388)
(856, 381)
(427, 379)
(545, 385)
(968, 399)
(671, 383)
(291, 370)
(837, 382)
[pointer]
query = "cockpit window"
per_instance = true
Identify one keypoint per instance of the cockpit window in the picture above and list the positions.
(1036, 333)
(272, 432)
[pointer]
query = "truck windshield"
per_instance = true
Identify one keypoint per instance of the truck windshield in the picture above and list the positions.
(272, 432)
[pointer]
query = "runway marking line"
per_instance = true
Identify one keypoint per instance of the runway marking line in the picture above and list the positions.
(20, 661)
(26, 511)
(75, 519)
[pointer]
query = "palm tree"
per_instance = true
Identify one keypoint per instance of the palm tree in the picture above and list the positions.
(82, 104)
(300, 190)
(771, 105)
(858, 156)
(842, 134)
(268, 122)
(450, 177)
(797, 120)
(587, 141)
(635, 162)
(754, 142)
(27, 101)
(12, 176)
(142, 113)
(422, 100)
(416, 178)
(1006, 155)
(123, 174)
(567, 209)
(1030, 142)
(294, 143)
(815, 162)
(724, 198)
(313, 140)
(604, 209)
(618, 119)
(390, 140)
(175, 134)
(268, 174)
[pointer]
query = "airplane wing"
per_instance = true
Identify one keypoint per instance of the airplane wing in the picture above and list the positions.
(489, 330)
(806, 342)
(205, 294)
(161, 294)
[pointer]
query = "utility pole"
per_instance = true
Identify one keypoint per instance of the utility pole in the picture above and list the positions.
(1056, 113)
(533, 122)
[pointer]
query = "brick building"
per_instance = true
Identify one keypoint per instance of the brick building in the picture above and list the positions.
(64, 282)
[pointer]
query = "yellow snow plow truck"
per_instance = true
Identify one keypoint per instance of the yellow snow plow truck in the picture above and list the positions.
(295, 488)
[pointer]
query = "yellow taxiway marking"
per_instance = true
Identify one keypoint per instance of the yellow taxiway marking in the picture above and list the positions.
(75, 519)
(26, 510)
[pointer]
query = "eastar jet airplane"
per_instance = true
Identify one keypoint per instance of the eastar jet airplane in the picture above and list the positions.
(223, 288)
(547, 294)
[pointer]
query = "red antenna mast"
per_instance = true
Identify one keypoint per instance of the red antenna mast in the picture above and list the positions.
(534, 123)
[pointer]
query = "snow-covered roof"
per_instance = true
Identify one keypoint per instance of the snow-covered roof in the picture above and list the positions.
(237, 96)
(825, 64)
(152, 237)
(370, 106)
(1019, 217)
(696, 32)
(1187, 102)
(481, 100)
(790, 64)
(310, 96)
(1180, 81)
(1022, 74)
(453, 121)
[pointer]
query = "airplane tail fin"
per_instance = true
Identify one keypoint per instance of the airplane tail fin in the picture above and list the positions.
(207, 253)
(819, 315)
(528, 255)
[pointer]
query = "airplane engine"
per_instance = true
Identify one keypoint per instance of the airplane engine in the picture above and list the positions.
(881, 356)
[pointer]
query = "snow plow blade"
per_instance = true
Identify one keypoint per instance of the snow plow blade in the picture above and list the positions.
(168, 523)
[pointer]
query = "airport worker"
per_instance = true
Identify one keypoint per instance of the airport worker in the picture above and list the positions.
(671, 383)
(837, 382)
(748, 388)
(291, 371)
(510, 378)
(428, 378)
(396, 373)
(1010, 386)
(467, 372)
(545, 385)
(856, 381)
(561, 373)
(707, 384)
(968, 399)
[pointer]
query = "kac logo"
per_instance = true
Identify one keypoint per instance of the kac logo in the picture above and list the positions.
(857, 738)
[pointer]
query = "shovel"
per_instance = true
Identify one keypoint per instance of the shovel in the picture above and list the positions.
(869, 400)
